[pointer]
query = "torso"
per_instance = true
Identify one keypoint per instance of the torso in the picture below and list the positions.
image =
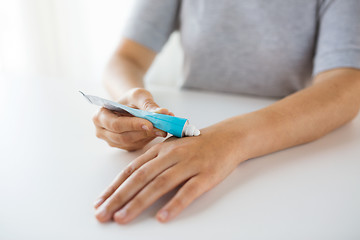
(245, 47)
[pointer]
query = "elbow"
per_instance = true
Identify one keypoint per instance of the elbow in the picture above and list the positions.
(354, 114)
(354, 106)
(350, 111)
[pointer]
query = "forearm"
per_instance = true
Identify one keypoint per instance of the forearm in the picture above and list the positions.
(122, 75)
(127, 68)
(302, 117)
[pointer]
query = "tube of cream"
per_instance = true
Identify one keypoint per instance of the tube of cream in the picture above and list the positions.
(176, 126)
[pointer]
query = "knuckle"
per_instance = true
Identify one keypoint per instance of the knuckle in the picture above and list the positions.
(161, 181)
(130, 148)
(126, 138)
(212, 178)
(137, 92)
(95, 119)
(148, 103)
(111, 144)
(137, 202)
(115, 125)
(117, 138)
(98, 134)
(204, 166)
(178, 203)
(141, 175)
(128, 170)
(111, 189)
(192, 189)
(136, 123)
(117, 177)
(116, 199)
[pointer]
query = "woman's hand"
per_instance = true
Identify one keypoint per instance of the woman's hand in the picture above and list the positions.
(199, 163)
(125, 131)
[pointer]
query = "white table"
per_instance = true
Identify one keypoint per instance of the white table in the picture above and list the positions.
(52, 167)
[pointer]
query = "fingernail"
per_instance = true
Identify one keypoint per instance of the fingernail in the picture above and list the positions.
(155, 110)
(121, 214)
(160, 134)
(146, 128)
(101, 213)
(98, 202)
(163, 215)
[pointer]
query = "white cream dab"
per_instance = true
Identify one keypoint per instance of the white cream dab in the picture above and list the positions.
(190, 130)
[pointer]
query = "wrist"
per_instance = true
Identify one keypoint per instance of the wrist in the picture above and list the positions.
(230, 137)
(248, 136)
(263, 132)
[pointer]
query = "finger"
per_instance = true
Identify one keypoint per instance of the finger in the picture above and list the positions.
(144, 101)
(159, 133)
(162, 184)
(110, 121)
(161, 110)
(135, 136)
(191, 190)
(129, 141)
(129, 138)
(99, 132)
(130, 186)
(124, 174)
(132, 146)
(102, 133)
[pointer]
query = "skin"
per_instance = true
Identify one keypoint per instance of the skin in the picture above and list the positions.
(197, 164)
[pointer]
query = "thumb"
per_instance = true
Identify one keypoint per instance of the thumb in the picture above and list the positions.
(149, 105)
(145, 101)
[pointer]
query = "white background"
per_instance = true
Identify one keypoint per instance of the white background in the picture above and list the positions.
(71, 39)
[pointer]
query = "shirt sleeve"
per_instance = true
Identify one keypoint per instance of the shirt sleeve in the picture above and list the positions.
(151, 22)
(338, 42)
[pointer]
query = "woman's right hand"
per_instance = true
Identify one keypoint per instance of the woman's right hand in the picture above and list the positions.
(124, 130)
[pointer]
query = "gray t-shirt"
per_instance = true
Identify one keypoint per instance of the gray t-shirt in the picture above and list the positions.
(260, 47)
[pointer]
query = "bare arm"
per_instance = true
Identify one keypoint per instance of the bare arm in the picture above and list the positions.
(123, 78)
(127, 68)
(200, 163)
(333, 100)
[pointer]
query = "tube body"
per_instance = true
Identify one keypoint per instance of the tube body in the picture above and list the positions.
(170, 124)
(167, 123)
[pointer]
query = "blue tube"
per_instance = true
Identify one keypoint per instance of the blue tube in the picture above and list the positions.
(167, 123)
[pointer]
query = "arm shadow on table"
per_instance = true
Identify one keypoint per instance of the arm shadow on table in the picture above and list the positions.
(251, 169)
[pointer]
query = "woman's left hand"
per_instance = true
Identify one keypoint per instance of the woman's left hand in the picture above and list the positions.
(199, 163)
